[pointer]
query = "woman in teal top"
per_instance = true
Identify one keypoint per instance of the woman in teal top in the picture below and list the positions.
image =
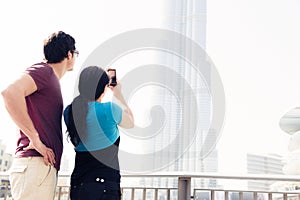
(93, 129)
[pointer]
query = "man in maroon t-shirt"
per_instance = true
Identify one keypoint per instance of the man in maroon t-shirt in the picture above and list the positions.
(35, 103)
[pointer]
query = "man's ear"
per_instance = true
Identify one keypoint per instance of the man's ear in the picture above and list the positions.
(70, 55)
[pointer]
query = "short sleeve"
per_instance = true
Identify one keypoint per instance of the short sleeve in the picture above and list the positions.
(66, 113)
(40, 74)
(116, 112)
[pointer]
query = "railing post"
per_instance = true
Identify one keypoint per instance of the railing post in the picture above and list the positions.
(156, 194)
(241, 196)
(59, 192)
(212, 194)
(226, 195)
(270, 196)
(144, 194)
(168, 194)
(132, 193)
(285, 196)
(69, 192)
(255, 196)
(184, 188)
(6, 191)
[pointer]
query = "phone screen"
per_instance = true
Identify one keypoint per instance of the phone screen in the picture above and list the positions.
(112, 73)
(113, 77)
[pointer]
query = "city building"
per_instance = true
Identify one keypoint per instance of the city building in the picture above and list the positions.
(189, 19)
(196, 146)
(263, 164)
(5, 158)
(5, 163)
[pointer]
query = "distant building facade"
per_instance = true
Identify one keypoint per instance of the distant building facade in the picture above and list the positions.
(189, 19)
(5, 158)
(263, 164)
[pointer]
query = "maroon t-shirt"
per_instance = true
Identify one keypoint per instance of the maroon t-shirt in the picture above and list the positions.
(45, 108)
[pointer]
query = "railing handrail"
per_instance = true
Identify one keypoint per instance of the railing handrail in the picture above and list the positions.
(245, 190)
(268, 177)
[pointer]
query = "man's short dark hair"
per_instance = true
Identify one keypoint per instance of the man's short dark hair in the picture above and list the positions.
(57, 46)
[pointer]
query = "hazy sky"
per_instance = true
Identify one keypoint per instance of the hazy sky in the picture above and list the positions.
(255, 45)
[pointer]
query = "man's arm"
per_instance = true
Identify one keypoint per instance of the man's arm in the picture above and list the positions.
(14, 99)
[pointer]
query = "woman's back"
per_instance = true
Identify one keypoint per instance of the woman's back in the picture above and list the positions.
(102, 126)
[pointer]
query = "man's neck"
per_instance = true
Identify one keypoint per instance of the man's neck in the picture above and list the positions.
(59, 69)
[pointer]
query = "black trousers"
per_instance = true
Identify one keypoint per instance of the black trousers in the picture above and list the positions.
(96, 191)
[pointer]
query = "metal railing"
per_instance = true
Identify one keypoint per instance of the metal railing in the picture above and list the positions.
(186, 190)
(186, 187)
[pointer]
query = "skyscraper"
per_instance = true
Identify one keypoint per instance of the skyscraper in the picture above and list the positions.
(189, 19)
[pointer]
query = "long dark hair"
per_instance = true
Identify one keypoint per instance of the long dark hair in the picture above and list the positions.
(92, 83)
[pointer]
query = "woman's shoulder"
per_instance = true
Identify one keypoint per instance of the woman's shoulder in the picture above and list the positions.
(67, 108)
(104, 105)
(66, 113)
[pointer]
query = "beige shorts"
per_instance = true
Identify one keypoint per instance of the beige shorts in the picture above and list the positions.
(31, 179)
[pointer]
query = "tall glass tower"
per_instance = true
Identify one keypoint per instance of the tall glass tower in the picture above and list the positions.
(181, 104)
(189, 19)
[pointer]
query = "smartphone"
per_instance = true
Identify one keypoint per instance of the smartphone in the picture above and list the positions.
(112, 77)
